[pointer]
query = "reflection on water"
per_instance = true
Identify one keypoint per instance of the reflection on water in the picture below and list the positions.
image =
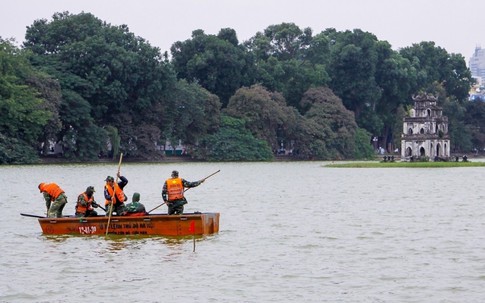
(55, 238)
(288, 232)
(114, 246)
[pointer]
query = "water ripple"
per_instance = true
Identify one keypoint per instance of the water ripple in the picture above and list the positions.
(289, 232)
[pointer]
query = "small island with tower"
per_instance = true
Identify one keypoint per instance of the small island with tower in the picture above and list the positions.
(425, 131)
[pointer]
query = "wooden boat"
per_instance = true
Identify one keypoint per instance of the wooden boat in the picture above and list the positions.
(152, 224)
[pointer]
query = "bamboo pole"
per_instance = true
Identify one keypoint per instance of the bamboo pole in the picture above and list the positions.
(114, 195)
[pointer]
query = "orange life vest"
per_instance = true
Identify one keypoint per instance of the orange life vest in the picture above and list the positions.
(81, 208)
(120, 195)
(52, 189)
(175, 189)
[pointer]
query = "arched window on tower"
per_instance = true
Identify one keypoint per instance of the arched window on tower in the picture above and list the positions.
(422, 152)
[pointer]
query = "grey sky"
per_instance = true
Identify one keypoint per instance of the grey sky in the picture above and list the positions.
(456, 25)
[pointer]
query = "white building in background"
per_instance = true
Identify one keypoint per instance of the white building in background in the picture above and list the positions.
(425, 130)
(477, 64)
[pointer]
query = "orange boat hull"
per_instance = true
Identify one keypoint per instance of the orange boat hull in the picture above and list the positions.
(156, 224)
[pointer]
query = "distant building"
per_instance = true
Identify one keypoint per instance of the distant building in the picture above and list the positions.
(425, 130)
(477, 65)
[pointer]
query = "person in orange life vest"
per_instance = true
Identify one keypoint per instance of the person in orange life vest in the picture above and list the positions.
(85, 204)
(55, 199)
(135, 208)
(111, 188)
(173, 193)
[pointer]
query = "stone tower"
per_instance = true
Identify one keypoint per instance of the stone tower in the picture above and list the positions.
(425, 130)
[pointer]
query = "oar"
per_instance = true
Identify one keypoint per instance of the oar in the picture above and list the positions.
(33, 216)
(210, 175)
(187, 189)
(157, 207)
(204, 179)
(114, 195)
(42, 217)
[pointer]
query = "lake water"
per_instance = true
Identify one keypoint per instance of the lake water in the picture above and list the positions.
(289, 232)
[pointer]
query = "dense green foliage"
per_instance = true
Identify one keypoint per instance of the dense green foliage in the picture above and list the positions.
(233, 142)
(108, 77)
(95, 89)
(217, 63)
(24, 111)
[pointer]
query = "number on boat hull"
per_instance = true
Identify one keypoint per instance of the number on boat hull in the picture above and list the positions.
(87, 230)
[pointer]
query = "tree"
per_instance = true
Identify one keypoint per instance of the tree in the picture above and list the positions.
(362, 150)
(50, 91)
(354, 59)
(194, 113)
(286, 62)
(398, 124)
(435, 64)
(217, 63)
(108, 77)
(475, 122)
(233, 142)
(263, 111)
(336, 123)
(283, 41)
(23, 111)
(307, 137)
(82, 138)
(396, 78)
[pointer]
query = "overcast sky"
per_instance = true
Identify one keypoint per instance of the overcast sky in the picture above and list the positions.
(456, 25)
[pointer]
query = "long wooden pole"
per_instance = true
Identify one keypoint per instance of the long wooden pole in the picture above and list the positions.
(96, 204)
(157, 207)
(33, 216)
(204, 179)
(186, 190)
(114, 195)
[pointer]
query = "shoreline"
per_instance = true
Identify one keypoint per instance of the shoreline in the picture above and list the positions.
(182, 159)
(165, 159)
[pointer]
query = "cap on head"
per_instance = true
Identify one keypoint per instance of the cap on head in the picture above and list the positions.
(175, 174)
(136, 197)
(109, 178)
(41, 185)
(90, 189)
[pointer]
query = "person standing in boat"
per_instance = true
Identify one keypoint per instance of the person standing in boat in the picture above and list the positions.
(55, 199)
(85, 204)
(173, 193)
(113, 192)
(135, 208)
